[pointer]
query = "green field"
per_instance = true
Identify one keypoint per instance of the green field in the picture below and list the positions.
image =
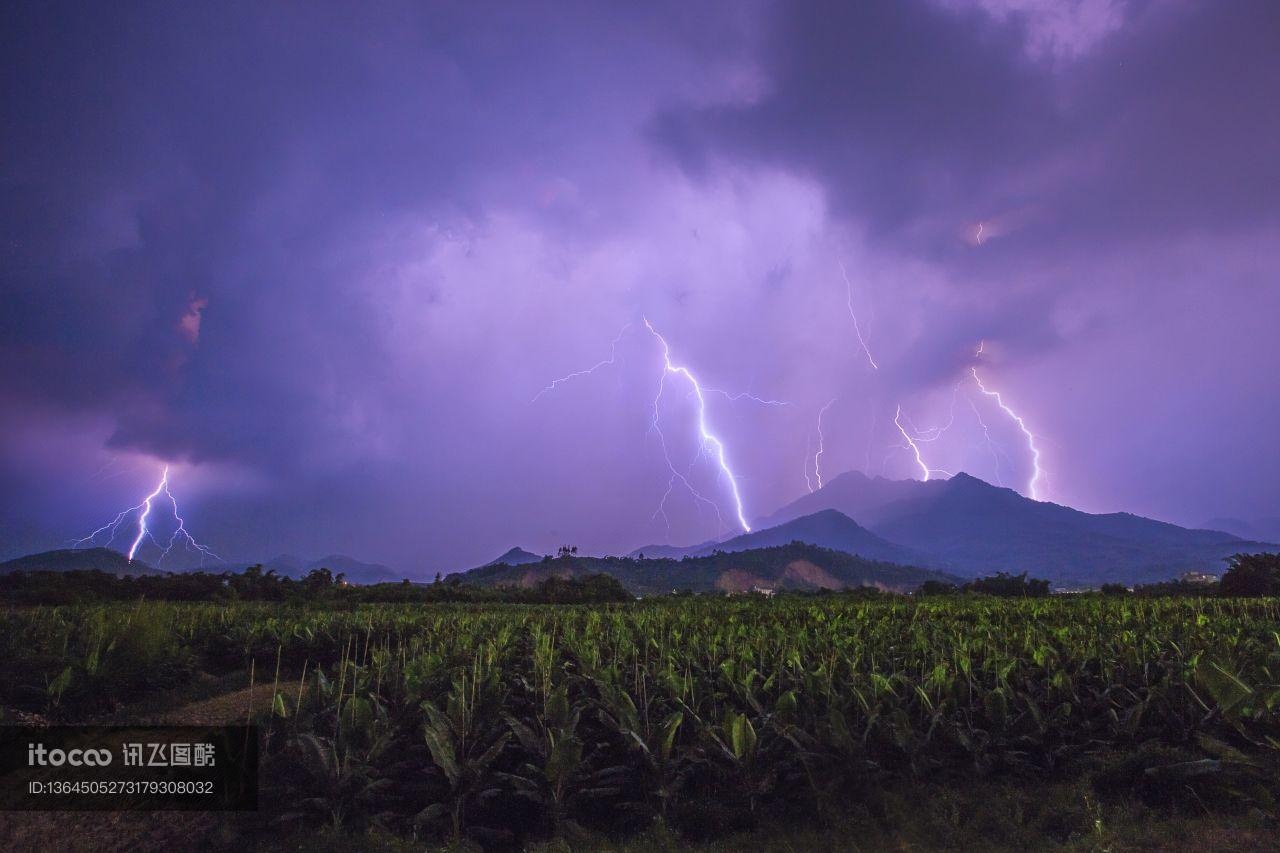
(707, 720)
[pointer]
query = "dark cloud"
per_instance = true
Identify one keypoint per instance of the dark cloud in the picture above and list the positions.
(394, 225)
(921, 120)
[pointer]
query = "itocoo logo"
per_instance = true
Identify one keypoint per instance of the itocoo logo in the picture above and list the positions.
(37, 754)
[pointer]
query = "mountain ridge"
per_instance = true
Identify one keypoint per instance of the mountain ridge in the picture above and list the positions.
(292, 566)
(827, 528)
(968, 526)
(795, 565)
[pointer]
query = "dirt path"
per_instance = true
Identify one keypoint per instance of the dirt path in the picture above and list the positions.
(147, 831)
(230, 708)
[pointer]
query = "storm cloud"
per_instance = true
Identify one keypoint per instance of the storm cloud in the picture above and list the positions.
(321, 259)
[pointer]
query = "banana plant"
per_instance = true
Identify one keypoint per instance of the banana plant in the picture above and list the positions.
(325, 778)
(736, 747)
(464, 743)
(553, 774)
(651, 737)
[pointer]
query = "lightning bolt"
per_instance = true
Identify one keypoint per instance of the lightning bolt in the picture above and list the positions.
(708, 438)
(181, 529)
(743, 395)
(1033, 484)
(675, 477)
(897, 418)
(113, 526)
(710, 445)
(146, 511)
(144, 532)
(817, 456)
(613, 355)
(915, 449)
(1037, 473)
(934, 433)
(986, 432)
(857, 328)
(925, 470)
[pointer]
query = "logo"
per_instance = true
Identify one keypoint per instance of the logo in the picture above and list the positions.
(39, 756)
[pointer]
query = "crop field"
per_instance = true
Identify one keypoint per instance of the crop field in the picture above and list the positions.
(509, 725)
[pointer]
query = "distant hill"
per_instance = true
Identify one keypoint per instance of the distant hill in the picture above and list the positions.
(354, 570)
(972, 528)
(516, 557)
(675, 552)
(1258, 529)
(82, 559)
(826, 528)
(290, 566)
(792, 566)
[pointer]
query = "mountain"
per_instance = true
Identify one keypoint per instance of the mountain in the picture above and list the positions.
(868, 500)
(826, 528)
(291, 566)
(791, 566)
(1260, 529)
(82, 559)
(674, 552)
(516, 557)
(356, 571)
(972, 528)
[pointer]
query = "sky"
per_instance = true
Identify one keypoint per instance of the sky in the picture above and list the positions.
(324, 261)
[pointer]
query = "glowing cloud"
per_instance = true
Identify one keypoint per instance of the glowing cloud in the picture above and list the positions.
(189, 325)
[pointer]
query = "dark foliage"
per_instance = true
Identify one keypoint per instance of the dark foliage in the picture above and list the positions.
(1000, 584)
(1009, 586)
(1252, 574)
(319, 586)
(1177, 589)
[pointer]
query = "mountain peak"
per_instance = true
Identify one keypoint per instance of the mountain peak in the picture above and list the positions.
(826, 528)
(855, 494)
(853, 475)
(516, 556)
(828, 516)
(962, 480)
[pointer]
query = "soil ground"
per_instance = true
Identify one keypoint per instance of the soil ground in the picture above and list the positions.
(149, 831)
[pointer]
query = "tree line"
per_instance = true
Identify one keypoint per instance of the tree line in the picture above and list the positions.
(318, 586)
(1247, 575)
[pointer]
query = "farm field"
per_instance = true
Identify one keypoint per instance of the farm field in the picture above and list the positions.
(1085, 722)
